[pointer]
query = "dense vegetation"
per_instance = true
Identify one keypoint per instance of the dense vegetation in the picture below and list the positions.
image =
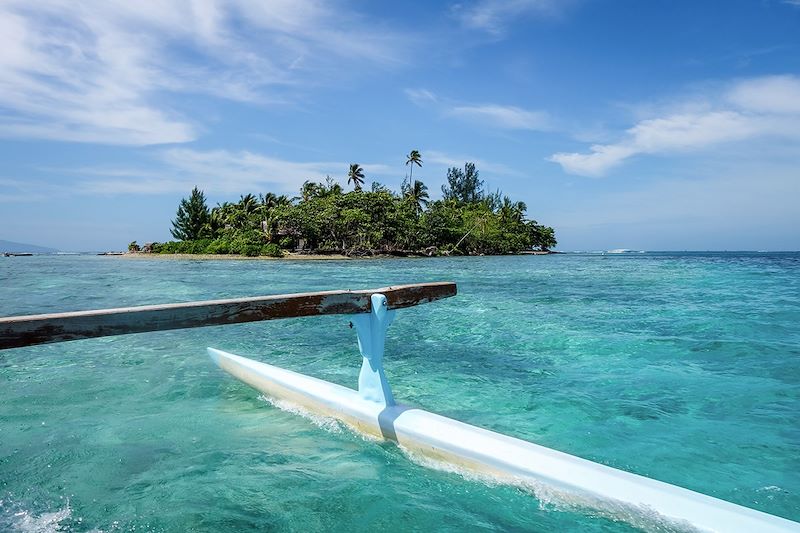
(325, 218)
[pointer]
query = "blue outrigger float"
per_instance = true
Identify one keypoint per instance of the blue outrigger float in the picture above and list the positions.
(640, 501)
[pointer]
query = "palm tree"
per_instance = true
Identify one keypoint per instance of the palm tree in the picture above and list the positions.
(309, 190)
(512, 211)
(414, 158)
(505, 209)
(356, 176)
(269, 200)
(417, 194)
(216, 221)
(519, 209)
(248, 204)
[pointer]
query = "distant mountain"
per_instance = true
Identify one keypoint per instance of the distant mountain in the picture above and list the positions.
(19, 247)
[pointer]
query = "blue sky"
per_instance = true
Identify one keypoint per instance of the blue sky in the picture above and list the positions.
(622, 123)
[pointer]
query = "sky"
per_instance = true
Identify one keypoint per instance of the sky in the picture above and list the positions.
(648, 125)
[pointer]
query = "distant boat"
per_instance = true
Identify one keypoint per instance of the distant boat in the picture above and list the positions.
(16, 254)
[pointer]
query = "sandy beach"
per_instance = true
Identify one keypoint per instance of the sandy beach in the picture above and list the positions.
(232, 257)
(289, 256)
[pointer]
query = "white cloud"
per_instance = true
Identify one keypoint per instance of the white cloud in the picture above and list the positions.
(104, 71)
(595, 164)
(485, 115)
(437, 158)
(216, 171)
(749, 109)
(421, 97)
(504, 117)
(63, 80)
(227, 171)
(177, 170)
(771, 94)
(492, 16)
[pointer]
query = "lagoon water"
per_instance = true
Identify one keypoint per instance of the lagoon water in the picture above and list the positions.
(681, 367)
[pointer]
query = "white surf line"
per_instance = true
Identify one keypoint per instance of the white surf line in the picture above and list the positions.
(550, 474)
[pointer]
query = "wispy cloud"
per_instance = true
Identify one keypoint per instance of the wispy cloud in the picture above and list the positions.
(421, 97)
(748, 109)
(438, 158)
(216, 171)
(232, 172)
(491, 115)
(104, 72)
(493, 16)
(503, 117)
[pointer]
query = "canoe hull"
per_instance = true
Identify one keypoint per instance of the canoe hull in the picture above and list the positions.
(553, 476)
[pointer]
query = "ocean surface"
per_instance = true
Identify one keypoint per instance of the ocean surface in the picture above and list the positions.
(684, 367)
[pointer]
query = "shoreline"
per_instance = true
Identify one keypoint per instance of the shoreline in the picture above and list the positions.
(294, 256)
(236, 257)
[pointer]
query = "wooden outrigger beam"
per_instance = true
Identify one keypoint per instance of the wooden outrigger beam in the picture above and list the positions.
(18, 331)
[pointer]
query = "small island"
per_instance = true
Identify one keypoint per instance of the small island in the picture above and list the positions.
(326, 220)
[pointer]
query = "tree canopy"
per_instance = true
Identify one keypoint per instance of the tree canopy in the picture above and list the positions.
(463, 186)
(324, 218)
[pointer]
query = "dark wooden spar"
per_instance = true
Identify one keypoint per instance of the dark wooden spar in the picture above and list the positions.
(17, 331)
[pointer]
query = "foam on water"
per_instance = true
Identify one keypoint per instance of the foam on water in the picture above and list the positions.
(44, 523)
(15, 518)
(323, 422)
(552, 498)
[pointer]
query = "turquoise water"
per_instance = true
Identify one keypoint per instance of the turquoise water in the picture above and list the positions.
(681, 367)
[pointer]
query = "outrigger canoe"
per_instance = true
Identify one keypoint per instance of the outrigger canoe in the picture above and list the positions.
(576, 482)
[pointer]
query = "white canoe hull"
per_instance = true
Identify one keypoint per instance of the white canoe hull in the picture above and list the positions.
(558, 476)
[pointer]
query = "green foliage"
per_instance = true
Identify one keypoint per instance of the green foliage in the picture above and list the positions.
(240, 245)
(416, 193)
(271, 250)
(379, 187)
(134, 247)
(219, 246)
(324, 218)
(193, 218)
(182, 247)
(463, 186)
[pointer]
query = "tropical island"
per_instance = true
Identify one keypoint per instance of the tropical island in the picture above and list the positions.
(325, 219)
